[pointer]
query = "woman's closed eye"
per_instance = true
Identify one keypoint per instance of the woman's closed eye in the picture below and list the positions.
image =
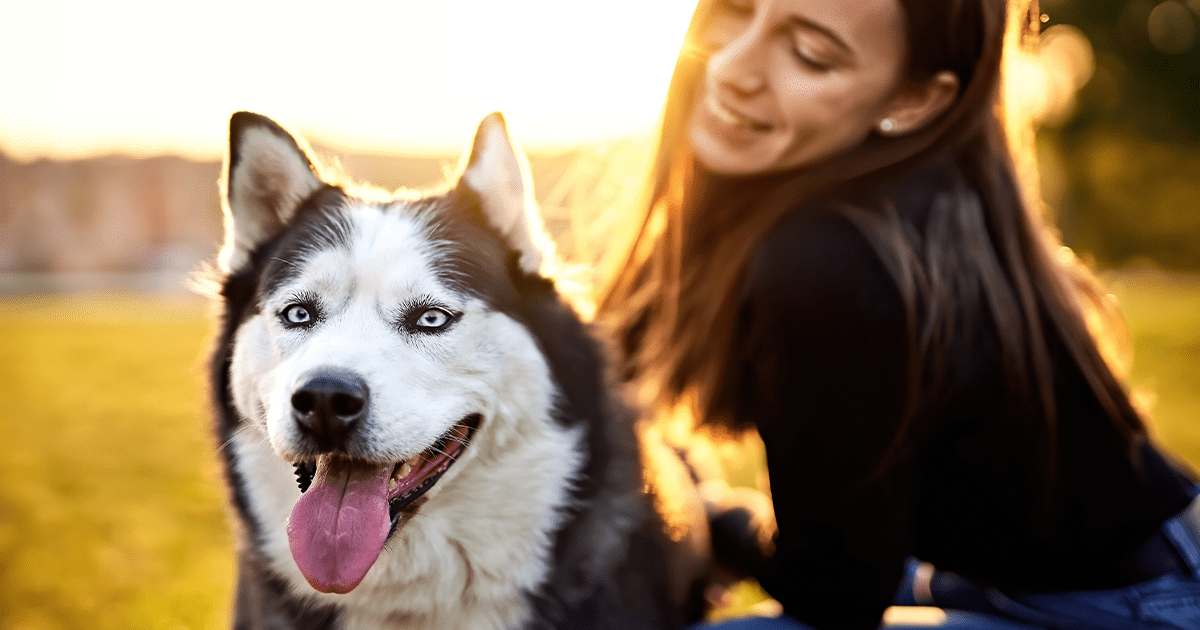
(818, 45)
(813, 59)
(819, 55)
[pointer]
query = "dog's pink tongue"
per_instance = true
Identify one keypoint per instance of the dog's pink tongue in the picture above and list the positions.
(338, 526)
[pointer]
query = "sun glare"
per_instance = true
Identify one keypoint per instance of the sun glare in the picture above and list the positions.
(142, 78)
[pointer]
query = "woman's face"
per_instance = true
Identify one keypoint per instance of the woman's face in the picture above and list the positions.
(793, 82)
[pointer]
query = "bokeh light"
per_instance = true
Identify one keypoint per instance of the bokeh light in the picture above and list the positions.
(1043, 84)
(1172, 28)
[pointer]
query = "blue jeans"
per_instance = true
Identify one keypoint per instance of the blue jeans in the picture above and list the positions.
(955, 620)
(1168, 602)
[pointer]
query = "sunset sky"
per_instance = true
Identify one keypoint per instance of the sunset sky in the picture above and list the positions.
(145, 77)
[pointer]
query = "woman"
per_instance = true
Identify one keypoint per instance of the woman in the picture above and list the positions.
(837, 251)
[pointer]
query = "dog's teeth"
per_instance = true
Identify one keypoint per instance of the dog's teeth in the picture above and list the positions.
(404, 471)
(392, 484)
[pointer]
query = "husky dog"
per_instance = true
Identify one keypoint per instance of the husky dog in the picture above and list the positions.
(414, 426)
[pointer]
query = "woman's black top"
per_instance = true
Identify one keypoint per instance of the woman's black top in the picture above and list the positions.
(819, 357)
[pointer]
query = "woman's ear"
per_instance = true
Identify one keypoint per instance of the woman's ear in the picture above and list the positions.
(913, 107)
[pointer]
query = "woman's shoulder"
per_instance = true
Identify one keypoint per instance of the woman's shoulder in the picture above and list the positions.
(817, 257)
(852, 241)
(822, 227)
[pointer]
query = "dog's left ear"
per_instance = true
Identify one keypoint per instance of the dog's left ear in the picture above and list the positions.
(268, 172)
(498, 173)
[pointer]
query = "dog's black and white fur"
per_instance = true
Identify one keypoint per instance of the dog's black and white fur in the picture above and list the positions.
(373, 332)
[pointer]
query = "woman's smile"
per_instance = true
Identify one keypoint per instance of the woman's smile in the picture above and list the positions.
(733, 118)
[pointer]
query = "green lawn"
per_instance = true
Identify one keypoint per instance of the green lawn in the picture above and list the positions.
(111, 510)
(1163, 313)
(111, 513)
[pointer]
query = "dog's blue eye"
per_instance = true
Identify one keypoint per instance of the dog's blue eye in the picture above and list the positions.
(297, 315)
(433, 319)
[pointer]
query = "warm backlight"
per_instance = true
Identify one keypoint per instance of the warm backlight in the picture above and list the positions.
(145, 77)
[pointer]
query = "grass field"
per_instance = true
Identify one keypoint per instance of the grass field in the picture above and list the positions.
(111, 511)
(111, 514)
(1163, 313)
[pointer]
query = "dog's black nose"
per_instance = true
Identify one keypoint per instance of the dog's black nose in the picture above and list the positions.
(328, 406)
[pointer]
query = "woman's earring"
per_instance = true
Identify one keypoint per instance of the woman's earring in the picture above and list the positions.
(887, 125)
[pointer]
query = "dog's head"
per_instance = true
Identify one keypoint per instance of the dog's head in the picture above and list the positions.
(377, 341)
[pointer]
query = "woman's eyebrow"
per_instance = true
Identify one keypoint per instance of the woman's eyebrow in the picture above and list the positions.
(807, 24)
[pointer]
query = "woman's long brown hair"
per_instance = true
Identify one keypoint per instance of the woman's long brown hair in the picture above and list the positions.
(673, 297)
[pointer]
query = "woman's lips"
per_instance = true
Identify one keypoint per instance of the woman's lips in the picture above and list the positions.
(733, 118)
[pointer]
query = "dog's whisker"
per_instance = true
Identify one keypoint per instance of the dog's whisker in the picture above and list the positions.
(465, 443)
(221, 448)
(448, 455)
(286, 262)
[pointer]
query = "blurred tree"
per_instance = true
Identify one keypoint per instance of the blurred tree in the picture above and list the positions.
(1129, 154)
(1147, 77)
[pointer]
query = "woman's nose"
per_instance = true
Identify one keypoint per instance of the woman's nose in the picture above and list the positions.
(740, 63)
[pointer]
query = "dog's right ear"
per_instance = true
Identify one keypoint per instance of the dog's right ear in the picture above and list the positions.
(497, 171)
(268, 172)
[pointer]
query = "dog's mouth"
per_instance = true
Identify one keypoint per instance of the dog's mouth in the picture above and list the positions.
(414, 477)
(349, 508)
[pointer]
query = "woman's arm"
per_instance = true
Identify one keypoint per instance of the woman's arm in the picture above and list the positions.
(821, 359)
